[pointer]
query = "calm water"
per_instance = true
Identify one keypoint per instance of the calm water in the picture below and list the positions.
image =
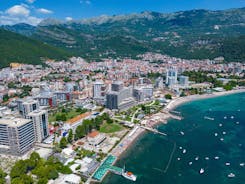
(149, 156)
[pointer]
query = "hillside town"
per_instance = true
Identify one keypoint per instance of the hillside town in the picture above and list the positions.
(81, 116)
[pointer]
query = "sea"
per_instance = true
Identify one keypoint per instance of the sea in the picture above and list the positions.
(211, 137)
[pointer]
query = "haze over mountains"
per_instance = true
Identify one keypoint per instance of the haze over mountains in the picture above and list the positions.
(195, 34)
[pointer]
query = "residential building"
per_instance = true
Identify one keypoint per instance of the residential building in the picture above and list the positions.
(16, 135)
(40, 122)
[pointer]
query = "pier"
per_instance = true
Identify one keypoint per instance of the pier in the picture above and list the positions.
(107, 166)
(153, 130)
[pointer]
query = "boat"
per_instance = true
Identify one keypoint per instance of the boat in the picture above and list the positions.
(184, 151)
(237, 122)
(220, 125)
(208, 118)
(242, 164)
(225, 117)
(128, 175)
(180, 147)
(197, 158)
(222, 139)
(178, 158)
(232, 117)
(216, 158)
(182, 133)
(223, 133)
(206, 158)
(231, 175)
(227, 163)
(190, 163)
(216, 134)
(201, 171)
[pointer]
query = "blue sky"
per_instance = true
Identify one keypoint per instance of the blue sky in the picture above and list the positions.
(33, 11)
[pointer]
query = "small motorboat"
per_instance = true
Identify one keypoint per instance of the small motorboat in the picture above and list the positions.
(231, 175)
(227, 163)
(201, 171)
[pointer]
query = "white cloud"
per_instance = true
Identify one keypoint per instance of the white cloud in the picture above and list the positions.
(30, 1)
(10, 20)
(18, 14)
(18, 10)
(44, 11)
(69, 18)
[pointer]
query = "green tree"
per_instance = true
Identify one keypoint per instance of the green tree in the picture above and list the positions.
(42, 181)
(19, 169)
(2, 176)
(63, 143)
(168, 96)
(70, 136)
(80, 132)
(23, 179)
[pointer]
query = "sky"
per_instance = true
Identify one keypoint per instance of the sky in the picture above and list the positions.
(34, 11)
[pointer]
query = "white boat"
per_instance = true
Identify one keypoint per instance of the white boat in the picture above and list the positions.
(208, 118)
(128, 175)
(216, 158)
(225, 117)
(237, 123)
(232, 117)
(201, 171)
(182, 133)
(242, 164)
(178, 158)
(184, 151)
(190, 163)
(223, 133)
(227, 163)
(220, 125)
(231, 175)
(180, 148)
(206, 158)
(216, 134)
(197, 158)
(222, 139)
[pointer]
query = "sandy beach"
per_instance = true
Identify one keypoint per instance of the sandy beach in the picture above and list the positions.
(180, 100)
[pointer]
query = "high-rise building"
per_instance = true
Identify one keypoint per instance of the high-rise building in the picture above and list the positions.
(121, 99)
(112, 100)
(184, 81)
(171, 76)
(99, 91)
(117, 86)
(16, 135)
(26, 106)
(142, 93)
(40, 122)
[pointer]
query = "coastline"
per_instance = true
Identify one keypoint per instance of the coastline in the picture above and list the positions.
(181, 100)
(137, 131)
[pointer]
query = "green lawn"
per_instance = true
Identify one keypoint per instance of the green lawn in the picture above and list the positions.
(110, 128)
(69, 115)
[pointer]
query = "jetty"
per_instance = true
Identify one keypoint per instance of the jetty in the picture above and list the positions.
(153, 130)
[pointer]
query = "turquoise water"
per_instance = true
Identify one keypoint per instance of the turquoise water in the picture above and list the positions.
(149, 156)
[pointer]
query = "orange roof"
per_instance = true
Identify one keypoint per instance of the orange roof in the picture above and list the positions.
(93, 134)
(79, 117)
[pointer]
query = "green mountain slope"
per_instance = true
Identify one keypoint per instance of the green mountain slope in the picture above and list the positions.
(194, 34)
(18, 48)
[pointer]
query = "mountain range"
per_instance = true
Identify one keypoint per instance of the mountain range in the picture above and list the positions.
(197, 34)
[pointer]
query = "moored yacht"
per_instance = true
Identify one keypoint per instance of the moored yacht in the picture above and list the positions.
(128, 175)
